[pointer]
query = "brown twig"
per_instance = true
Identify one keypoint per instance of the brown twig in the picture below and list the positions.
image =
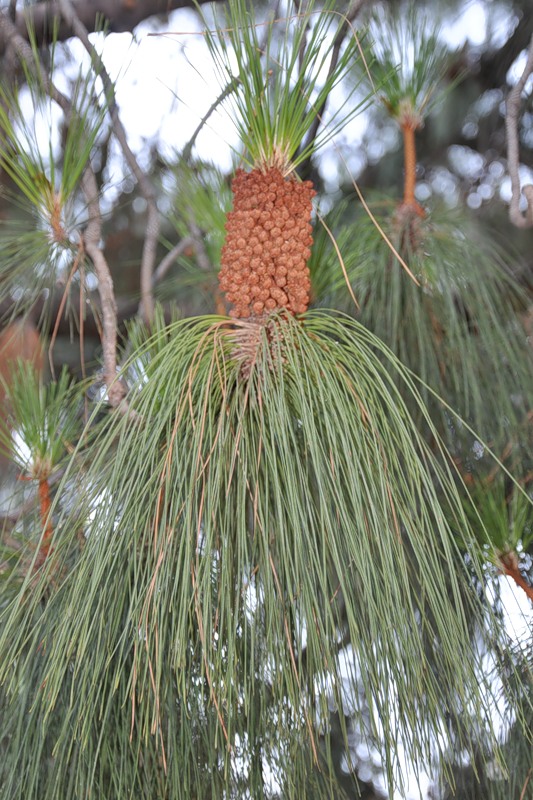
(409, 208)
(528, 777)
(518, 219)
(409, 151)
(179, 249)
(151, 238)
(75, 266)
(508, 564)
(45, 505)
(91, 240)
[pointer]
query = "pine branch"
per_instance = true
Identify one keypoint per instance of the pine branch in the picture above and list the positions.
(511, 125)
(409, 203)
(92, 235)
(410, 164)
(145, 185)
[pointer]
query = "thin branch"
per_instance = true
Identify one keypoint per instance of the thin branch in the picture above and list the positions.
(229, 89)
(523, 792)
(41, 19)
(45, 507)
(508, 564)
(75, 267)
(92, 234)
(145, 185)
(513, 153)
(409, 148)
(178, 250)
(195, 242)
(92, 238)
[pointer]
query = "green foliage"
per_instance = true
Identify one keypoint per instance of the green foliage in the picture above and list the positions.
(506, 515)
(280, 78)
(236, 537)
(203, 199)
(409, 62)
(268, 549)
(44, 417)
(40, 428)
(459, 330)
(44, 154)
(29, 265)
(32, 165)
(331, 266)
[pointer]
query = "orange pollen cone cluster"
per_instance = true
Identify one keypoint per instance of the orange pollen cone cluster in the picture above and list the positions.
(268, 240)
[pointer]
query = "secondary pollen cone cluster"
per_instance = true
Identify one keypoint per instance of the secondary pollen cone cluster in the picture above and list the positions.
(268, 240)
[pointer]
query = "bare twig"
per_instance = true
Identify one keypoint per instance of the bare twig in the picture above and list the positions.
(523, 792)
(511, 125)
(75, 267)
(145, 185)
(91, 239)
(39, 20)
(92, 235)
(229, 89)
(179, 249)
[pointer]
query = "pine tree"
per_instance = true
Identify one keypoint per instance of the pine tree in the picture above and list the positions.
(265, 534)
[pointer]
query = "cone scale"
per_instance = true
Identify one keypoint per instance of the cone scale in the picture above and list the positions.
(268, 239)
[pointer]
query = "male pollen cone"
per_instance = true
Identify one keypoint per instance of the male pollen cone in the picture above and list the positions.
(268, 240)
